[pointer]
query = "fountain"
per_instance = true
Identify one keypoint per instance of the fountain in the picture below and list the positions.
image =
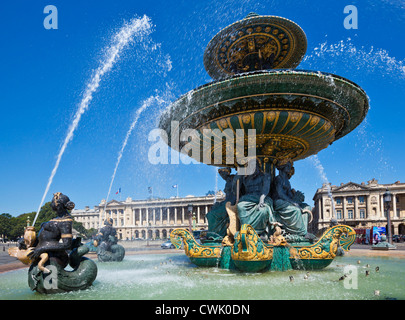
(163, 276)
(262, 224)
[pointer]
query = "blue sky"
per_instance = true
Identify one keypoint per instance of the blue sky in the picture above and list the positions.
(44, 73)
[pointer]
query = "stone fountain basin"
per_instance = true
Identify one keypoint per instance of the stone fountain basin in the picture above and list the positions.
(296, 113)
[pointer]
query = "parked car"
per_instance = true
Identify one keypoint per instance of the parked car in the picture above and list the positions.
(397, 238)
(167, 245)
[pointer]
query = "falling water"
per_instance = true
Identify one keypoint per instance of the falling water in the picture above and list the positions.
(322, 173)
(219, 258)
(368, 61)
(146, 104)
(216, 184)
(135, 28)
(360, 63)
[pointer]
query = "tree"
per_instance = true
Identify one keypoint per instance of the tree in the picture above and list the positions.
(13, 227)
(5, 225)
(45, 214)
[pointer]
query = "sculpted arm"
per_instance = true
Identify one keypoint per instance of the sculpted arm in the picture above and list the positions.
(265, 188)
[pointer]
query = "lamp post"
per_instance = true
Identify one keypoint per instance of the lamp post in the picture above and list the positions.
(387, 204)
(190, 214)
(147, 234)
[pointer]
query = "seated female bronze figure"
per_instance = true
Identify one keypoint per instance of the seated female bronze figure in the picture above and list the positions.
(106, 242)
(52, 250)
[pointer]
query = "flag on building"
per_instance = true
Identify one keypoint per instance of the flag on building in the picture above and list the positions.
(150, 189)
(176, 186)
(119, 191)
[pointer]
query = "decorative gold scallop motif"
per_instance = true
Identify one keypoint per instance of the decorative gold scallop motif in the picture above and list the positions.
(271, 115)
(295, 116)
(246, 118)
(223, 123)
(287, 123)
(284, 147)
(314, 120)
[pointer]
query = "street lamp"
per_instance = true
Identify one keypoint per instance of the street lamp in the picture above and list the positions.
(147, 234)
(387, 204)
(190, 213)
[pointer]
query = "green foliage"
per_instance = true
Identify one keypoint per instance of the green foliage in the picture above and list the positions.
(5, 224)
(45, 214)
(13, 227)
(78, 226)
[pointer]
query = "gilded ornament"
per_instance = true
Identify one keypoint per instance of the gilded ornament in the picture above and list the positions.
(223, 123)
(326, 247)
(249, 247)
(245, 53)
(314, 120)
(271, 115)
(246, 119)
(295, 116)
(191, 247)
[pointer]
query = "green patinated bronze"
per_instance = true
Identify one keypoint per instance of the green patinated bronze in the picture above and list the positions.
(250, 254)
(60, 280)
(255, 43)
(294, 114)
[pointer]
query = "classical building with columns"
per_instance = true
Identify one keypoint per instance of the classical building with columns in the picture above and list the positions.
(360, 205)
(151, 218)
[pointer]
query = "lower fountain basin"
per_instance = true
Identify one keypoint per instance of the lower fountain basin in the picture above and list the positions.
(250, 254)
(172, 276)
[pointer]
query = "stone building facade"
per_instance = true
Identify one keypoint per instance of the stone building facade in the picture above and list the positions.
(149, 219)
(360, 205)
